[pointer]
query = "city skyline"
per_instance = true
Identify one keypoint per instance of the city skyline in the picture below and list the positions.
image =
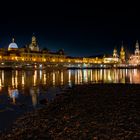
(25, 43)
(81, 30)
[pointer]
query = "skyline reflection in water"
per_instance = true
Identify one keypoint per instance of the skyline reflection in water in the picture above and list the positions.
(22, 91)
(55, 78)
(32, 83)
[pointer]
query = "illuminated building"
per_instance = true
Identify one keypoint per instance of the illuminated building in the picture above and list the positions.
(122, 54)
(32, 56)
(12, 46)
(34, 46)
(137, 51)
(29, 54)
(135, 58)
(115, 54)
(112, 59)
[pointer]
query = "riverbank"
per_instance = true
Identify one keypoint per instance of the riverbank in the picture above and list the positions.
(98, 111)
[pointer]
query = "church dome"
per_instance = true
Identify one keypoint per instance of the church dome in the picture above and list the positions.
(13, 45)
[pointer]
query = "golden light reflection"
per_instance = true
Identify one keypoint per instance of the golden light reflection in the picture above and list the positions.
(23, 79)
(0, 84)
(27, 79)
(2, 77)
(69, 77)
(62, 78)
(53, 74)
(80, 77)
(35, 78)
(34, 95)
(115, 76)
(76, 77)
(13, 79)
(85, 79)
(40, 74)
(109, 76)
(44, 78)
(16, 79)
(96, 76)
(91, 75)
(101, 74)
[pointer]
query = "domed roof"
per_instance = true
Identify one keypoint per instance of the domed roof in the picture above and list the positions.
(12, 45)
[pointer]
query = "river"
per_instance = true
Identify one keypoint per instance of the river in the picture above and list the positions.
(21, 91)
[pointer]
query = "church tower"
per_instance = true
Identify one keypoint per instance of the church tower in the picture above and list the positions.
(122, 54)
(115, 54)
(137, 51)
(34, 46)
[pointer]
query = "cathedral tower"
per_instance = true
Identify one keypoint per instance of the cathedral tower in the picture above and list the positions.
(34, 46)
(137, 51)
(115, 54)
(122, 54)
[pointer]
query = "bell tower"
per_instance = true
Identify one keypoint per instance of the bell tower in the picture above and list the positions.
(122, 53)
(137, 51)
(33, 45)
(115, 54)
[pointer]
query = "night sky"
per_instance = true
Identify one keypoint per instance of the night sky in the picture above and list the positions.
(79, 29)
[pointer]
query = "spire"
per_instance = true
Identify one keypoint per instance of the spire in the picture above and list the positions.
(122, 48)
(137, 52)
(115, 52)
(137, 44)
(13, 40)
(122, 54)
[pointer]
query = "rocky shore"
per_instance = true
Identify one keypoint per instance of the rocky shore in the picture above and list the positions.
(85, 112)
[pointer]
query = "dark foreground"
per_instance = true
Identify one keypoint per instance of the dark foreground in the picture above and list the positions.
(88, 112)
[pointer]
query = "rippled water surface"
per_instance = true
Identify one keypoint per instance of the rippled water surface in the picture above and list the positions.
(22, 91)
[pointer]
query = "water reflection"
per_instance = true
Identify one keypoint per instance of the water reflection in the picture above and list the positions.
(30, 82)
(62, 77)
(34, 92)
(13, 94)
(69, 77)
(53, 78)
(27, 88)
(23, 78)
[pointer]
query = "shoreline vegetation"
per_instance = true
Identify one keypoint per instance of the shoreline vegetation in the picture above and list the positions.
(85, 112)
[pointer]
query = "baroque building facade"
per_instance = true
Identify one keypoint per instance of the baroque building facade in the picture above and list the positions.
(32, 53)
(135, 58)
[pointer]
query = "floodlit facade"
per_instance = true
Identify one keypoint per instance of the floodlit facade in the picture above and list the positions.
(32, 54)
(135, 58)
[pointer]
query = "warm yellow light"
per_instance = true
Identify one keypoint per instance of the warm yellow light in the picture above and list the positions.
(44, 59)
(53, 60)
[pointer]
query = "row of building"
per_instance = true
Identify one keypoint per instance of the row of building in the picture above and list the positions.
(33, 53)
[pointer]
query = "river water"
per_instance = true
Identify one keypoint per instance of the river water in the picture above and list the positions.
(21, 91)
